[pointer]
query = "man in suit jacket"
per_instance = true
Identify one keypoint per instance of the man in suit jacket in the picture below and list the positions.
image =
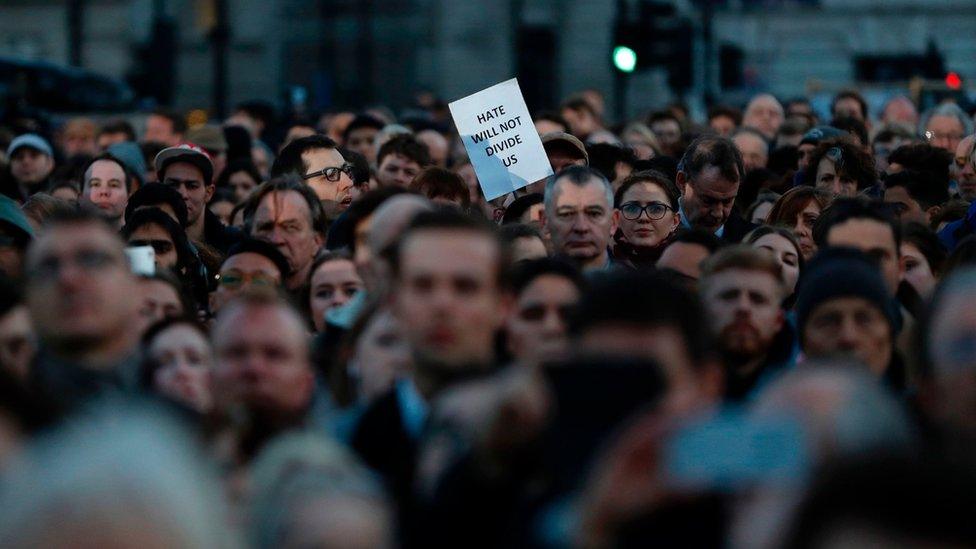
(709, 175)
(449, 294)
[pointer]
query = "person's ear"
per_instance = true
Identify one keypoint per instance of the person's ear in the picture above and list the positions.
(931, 213)
(675, 221)
(902, 266)
(211, 189)
(614, 222)
(681, 181)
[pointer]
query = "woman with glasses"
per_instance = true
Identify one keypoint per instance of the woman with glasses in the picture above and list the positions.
(646, 216)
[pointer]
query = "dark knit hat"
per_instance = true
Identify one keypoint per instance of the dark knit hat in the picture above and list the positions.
(815, 135)
(844, 272)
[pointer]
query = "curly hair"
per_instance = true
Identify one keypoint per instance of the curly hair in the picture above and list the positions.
(855, 163)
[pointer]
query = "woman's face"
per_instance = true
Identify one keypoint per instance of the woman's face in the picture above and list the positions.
(637, 226)
(803, 228)
(185, 360)
(381, 354)
(242, 184)
(333, 284)
(153, 235)
(786, 255)
(834, 180)
(918, 272)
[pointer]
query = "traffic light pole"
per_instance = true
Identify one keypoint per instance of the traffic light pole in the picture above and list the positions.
(620, 81)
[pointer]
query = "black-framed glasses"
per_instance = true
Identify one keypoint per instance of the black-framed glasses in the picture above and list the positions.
(835, 155)
(332, 173)
(655, 210)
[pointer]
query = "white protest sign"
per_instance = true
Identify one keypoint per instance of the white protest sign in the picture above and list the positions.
(501, 139)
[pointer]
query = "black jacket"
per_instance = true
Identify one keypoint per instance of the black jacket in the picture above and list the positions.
(736, 228)
(217, 235)
(382, 441)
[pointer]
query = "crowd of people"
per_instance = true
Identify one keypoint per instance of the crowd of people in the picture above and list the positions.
(753, 330)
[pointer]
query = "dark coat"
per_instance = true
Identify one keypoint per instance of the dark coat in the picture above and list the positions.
(736, 228)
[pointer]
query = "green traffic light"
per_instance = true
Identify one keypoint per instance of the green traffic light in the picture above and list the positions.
(624, 58)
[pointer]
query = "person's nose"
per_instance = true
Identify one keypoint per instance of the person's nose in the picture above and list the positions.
(553, 323)
(345, 184)
(848, 335)
(800, 230)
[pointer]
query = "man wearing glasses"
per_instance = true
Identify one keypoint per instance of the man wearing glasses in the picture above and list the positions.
(79, 292)
(321, 166)
(251, 265)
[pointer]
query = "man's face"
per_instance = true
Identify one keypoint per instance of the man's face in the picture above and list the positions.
(849, 326)
(104, 189)
(244, 271)
(262, 360)
(560, 159)
(722, 125)
(188, 181)
(834, 181)
(11, 252)
(765, 114)
(806, 154)
(708, 199)
(30, 166)
(965, 170)
(580, 221)
(361, 141)
(668, 131)
(581, 122)
(160, 130)
(335, 195)
(753, 150)
(285, 220)
(105, 140)
(953, 379)
(17, 341)
(448, 299)
(944, 132)
(848, 106)
(537, 328)
(744, 309)
(162, 243)
(876, 240)
(79, 287)
(905, 207)
(396, 170)
(159, 301)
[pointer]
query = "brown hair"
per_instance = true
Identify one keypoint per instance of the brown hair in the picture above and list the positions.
(437, 182)
(740, 256)
(788, 206)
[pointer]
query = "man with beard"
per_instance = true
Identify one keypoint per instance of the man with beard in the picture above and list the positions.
(742, 290)
(579, 216)
(263, 378)
(449, 292)
(709, 175)
(317, 161)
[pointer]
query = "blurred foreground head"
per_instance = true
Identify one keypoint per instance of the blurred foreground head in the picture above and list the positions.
(129, 479)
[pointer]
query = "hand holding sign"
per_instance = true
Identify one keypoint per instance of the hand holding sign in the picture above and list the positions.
(501, 139)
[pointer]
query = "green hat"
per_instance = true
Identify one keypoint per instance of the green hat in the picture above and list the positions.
(12, 216)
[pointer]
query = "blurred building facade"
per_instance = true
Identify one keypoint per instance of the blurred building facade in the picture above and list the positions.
(353, 53)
